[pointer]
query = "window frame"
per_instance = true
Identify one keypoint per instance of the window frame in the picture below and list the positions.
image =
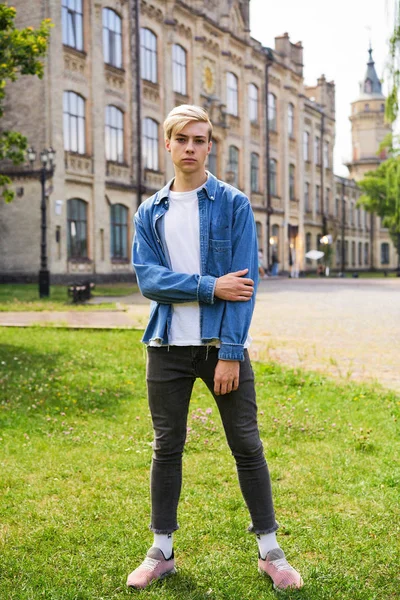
(234, 157)
(272, 112)
(77, 222)
(253, 97)
(255, 172)
(119, 231)
(179, 69)
(232, 94)
(150, 144)
(148, 55)
(72, 18)
(112, 38)
(291, 121)
(114, 131)
(74, 124)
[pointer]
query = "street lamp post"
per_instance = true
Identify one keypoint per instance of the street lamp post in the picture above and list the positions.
(47, 157)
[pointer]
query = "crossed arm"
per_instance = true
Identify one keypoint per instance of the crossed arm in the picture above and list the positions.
(235, 288)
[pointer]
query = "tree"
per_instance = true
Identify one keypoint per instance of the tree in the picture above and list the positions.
(20, 54)
(382, 196)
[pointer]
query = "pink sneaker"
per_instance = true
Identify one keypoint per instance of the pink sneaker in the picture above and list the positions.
(277, 567)
(155, 566)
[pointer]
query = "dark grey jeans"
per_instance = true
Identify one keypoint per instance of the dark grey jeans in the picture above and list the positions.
(171, 373)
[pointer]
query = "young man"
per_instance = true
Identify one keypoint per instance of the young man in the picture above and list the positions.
(195, 256)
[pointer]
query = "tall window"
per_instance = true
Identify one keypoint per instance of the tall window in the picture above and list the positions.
(253, 103)
(360, 253)
(112, 38)
(307, 197)
(119, 231)
(72, 23)
(254, 171)
(179, 69)
(317, 199)
(291, 120)
(317, 151)
(306, 145)
(213, 159)
(366, 254)
(385, 253)
(114, 134)
(77, 228)
(326, 155)
(273, 177)
(292, 193)
(308, 247)
(234, 165)
(327, 200)
(275, 239)
(148, 55)
(232, 94)
(273, 123)
(74, 123)
(337, 204)
(150, 144)
(259, 233)
(353, 254)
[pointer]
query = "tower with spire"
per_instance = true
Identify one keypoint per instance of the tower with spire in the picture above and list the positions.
(368, 127)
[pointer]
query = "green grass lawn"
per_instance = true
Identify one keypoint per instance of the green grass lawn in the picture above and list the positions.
(75, 450)
(22, 297)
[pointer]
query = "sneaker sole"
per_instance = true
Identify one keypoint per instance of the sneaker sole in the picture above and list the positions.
(163, 576)
(277, 589)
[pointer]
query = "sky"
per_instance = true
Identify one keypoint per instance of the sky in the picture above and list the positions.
(335, 35)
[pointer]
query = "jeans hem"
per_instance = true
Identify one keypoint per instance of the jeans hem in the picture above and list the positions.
(163, 531)
(259, 531)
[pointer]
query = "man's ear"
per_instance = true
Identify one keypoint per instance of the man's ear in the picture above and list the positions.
(168, 145)
(209, 147)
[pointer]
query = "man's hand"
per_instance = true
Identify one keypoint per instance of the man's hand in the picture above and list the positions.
(226, 377)
(234, 287)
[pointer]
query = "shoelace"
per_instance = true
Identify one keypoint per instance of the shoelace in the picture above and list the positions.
(150, 563)
(282, 564)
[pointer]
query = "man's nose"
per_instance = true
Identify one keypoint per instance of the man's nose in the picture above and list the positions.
(190, 146)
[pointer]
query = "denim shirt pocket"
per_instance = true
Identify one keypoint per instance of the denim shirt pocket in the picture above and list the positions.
(219, 257)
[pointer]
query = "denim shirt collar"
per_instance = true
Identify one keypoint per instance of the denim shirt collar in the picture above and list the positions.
(210, 187)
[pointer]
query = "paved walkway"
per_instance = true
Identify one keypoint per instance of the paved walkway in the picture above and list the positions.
(348, 328)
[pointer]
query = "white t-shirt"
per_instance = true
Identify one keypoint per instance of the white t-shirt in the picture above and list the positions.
(182, 236)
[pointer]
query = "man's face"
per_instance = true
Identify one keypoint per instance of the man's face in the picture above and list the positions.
(190, 147)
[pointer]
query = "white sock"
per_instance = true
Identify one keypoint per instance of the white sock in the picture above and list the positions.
(266, 542)
(164, 542)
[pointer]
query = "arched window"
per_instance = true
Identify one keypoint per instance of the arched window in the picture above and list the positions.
(213, 159)
(148, 55)
(317, 151)
(385, 257)
(112, 38)
(254, 172)
(273, 177)
(74, 123)
(253, 103)
(291, 120)
(232, 94)
(179, 69)
(360, 254)
(234, 165)
(119, 231)
(317, 198)
(77, 228)
(72, 23)
(114, 134)
(292, 185)
(150, 144)
(272, 112)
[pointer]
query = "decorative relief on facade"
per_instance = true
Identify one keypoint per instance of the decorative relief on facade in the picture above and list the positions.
(255, 130)
(209, 44)
(150, 91)
(153, 179)
(184, 31)
(74, 64)
(149, 10)
(115, 79)
(118, 172)
(78, 164)
(208, 76)
(80, 267)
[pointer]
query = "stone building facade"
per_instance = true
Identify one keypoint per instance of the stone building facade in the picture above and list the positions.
(271, 132)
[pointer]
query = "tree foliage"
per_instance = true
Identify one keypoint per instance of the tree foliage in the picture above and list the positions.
(382, 195)
(21, 51)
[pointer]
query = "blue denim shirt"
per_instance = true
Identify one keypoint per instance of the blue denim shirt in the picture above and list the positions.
(228, 243)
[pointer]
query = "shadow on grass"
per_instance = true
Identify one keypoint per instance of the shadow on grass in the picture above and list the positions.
(81, 374)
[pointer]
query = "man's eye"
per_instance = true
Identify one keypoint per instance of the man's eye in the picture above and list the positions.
(180, 139)
(199, 141)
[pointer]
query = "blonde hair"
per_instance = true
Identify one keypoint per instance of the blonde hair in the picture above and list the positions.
(182, 115)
